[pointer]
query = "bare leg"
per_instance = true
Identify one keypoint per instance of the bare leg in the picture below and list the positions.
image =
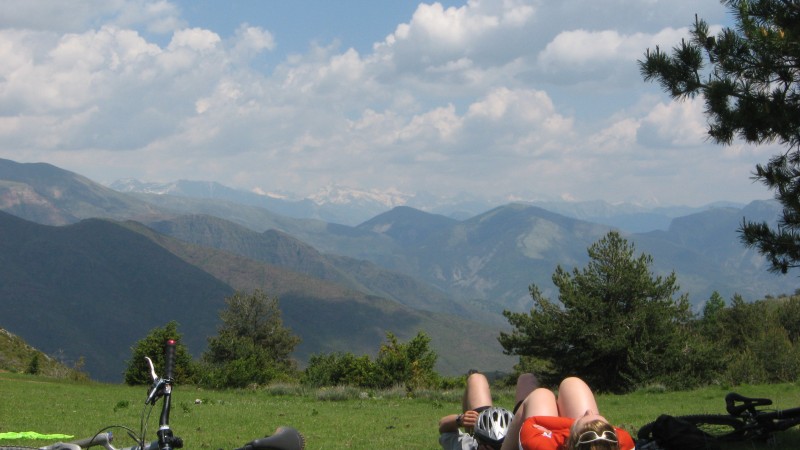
(540, 402)
(526, 383)
(575, 399)
(477, 393)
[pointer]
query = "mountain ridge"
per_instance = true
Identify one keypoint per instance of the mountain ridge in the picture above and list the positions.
(98, 286)
(442, 269)
(349, 206)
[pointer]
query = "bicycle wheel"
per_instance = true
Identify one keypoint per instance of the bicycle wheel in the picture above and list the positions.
(722, 427)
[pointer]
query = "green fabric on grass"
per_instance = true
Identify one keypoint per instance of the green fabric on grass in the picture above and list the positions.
(32, 435)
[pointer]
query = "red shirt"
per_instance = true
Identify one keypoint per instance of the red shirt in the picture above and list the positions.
(551, 433)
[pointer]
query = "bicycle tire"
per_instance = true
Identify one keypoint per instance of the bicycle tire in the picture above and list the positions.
(723, 428)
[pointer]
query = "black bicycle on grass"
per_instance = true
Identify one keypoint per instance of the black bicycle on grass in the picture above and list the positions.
(284, 438)
(746, 419)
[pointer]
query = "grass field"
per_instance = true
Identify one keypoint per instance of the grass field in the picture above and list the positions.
(330, 418)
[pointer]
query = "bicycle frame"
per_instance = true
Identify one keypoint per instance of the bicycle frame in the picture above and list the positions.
(744, 421)
(759, 421)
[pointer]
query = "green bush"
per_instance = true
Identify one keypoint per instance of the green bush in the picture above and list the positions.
(744, 368)
(409, 364)
(756, 341)
(33, 365)
(248, 365)
(152, 346)
(338, 368)
(777, 355)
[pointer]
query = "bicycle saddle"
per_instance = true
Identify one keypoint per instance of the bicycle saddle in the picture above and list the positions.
(284, 438)
(747, 403)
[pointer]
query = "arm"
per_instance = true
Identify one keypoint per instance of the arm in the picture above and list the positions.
(451, 423)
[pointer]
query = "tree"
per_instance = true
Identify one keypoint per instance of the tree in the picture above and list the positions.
(748, 77)
(252, 345)
(755, 342)
(617, 326)
(411, 363)
(152, 346)
(709, 323)
(34, 366)
(789, 316)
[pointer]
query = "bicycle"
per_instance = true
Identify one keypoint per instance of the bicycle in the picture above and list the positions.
(284, 438)
(746, 420)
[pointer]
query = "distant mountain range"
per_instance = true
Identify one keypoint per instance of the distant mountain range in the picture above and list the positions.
(97, 285)
(348, 206)
(335, 204)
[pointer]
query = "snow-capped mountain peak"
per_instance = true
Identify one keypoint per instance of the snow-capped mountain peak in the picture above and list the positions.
(342, 195)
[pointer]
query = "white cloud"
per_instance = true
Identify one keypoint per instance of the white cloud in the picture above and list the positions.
(195, 39)
(432, 127)
(157, 16)
(250, 41)
(604, 57)
(619, 137)
(532, 98)
(488, 33)
(674, 124)
(527, 106)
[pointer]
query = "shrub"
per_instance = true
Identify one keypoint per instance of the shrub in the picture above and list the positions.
(152, 346)
(408, 364)
(411, 363)
(338, 393)
(340, 369)
(33, 365)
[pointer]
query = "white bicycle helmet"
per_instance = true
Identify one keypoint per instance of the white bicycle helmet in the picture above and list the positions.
(492, 425)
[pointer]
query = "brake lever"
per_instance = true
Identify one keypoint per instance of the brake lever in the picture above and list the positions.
(158, 384)
(152, 368)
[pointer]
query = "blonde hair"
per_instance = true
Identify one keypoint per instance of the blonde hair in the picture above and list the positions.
(598, 426)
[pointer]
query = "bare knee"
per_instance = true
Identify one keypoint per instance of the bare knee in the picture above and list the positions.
(477, 393)
(527, 381)
(572, 383)
(575, 398)
(477, 382)
(540, 402)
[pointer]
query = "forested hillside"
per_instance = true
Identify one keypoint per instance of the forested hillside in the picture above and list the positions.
(92, 289)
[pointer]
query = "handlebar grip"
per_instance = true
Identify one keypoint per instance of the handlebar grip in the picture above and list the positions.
(284, 438)
(169, 359)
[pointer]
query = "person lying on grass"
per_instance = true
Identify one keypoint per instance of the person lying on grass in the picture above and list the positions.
(571, 421)
(485, 426)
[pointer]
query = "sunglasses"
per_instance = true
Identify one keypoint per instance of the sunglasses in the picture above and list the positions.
(591, 436)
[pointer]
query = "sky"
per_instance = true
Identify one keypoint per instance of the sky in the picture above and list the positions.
(500, 100)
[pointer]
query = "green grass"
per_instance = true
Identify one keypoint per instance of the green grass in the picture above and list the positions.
(336, 418)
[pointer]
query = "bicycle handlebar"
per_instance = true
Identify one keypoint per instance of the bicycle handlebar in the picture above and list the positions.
(166, 441)
(169, 360)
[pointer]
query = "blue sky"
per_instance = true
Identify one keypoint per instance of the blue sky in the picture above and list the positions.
(500, 100)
